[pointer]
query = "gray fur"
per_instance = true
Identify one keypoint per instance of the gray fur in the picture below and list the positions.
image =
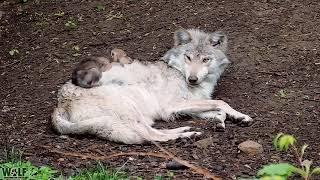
(149, 91)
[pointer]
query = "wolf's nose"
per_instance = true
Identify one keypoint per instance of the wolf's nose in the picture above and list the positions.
(193, 79)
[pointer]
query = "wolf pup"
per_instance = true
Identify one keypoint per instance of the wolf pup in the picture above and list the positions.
(119, 55)
(89, 71)
(130, 98)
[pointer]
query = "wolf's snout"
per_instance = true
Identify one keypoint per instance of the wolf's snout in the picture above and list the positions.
(192, 79)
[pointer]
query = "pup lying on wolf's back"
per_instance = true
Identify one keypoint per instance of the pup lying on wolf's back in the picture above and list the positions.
(88, 72)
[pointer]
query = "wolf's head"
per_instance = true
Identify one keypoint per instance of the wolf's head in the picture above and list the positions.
(197, 54)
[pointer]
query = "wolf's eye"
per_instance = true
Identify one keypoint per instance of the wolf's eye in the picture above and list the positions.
(205, 60)
(188, 58)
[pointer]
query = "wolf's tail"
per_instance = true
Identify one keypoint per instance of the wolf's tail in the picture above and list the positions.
(60, 121)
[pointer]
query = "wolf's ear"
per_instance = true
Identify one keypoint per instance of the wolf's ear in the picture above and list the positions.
(181, 37)
(219, 40)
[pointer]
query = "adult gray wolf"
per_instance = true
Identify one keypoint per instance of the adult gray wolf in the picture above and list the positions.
(124, 107)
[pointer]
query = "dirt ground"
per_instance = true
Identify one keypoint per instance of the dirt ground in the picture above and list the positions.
(274, 77)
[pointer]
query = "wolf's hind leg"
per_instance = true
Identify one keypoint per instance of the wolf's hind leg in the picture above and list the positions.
(176, 130)
(151, 134)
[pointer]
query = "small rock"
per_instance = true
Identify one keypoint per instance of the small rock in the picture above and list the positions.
(250, 147)
(60, 159)
(174, 165)
(204, 143)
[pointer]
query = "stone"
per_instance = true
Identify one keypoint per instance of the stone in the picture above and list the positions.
(204, 143)
(250, 147)
(174, 165)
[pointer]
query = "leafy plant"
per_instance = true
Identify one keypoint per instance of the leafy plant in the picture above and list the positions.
(71, 24)
(29, 171)
(285, 142)
(100, 8)
(169, 176)
(283, 93)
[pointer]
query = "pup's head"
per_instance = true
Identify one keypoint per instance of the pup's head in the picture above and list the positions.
(119, 55)
(197, 54)
(89, 71)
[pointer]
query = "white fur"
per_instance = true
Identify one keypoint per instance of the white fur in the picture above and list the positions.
(130, 98)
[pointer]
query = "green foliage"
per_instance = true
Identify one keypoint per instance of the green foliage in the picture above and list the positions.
(282, 169)
(273, 178)
(169, 176)
(315, 171)
(283, 93)
(32, 172)
(100, 172)
(11, 159)
(71, 24)
(100, 8)
(285, 142)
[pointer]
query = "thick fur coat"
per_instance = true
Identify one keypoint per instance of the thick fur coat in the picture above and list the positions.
(131, 97)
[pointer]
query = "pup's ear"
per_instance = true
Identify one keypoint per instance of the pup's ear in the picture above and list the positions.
(181, 37)
(219, 40)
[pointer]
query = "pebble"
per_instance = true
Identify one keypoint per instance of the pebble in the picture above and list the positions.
(174, 165)
(251, 147)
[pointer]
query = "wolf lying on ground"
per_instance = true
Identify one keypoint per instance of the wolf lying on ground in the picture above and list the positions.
(131, 97)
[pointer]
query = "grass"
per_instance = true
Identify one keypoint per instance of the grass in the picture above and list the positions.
(100, 172)
(12, 165)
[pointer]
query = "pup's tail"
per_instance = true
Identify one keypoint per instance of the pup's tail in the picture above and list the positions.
(60, 121)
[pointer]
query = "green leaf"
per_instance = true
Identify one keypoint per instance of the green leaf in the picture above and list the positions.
(283, 141)
(273, 178)
(281, 169)
(316, 170)
(100, 8)
(275, 141)
(303, 148)
(283, 93)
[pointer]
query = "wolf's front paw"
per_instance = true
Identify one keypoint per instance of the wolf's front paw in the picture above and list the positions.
(189, 134)
(221, 127)
(246, 121)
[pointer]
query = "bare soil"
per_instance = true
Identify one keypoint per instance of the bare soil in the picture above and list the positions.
(274, 77)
